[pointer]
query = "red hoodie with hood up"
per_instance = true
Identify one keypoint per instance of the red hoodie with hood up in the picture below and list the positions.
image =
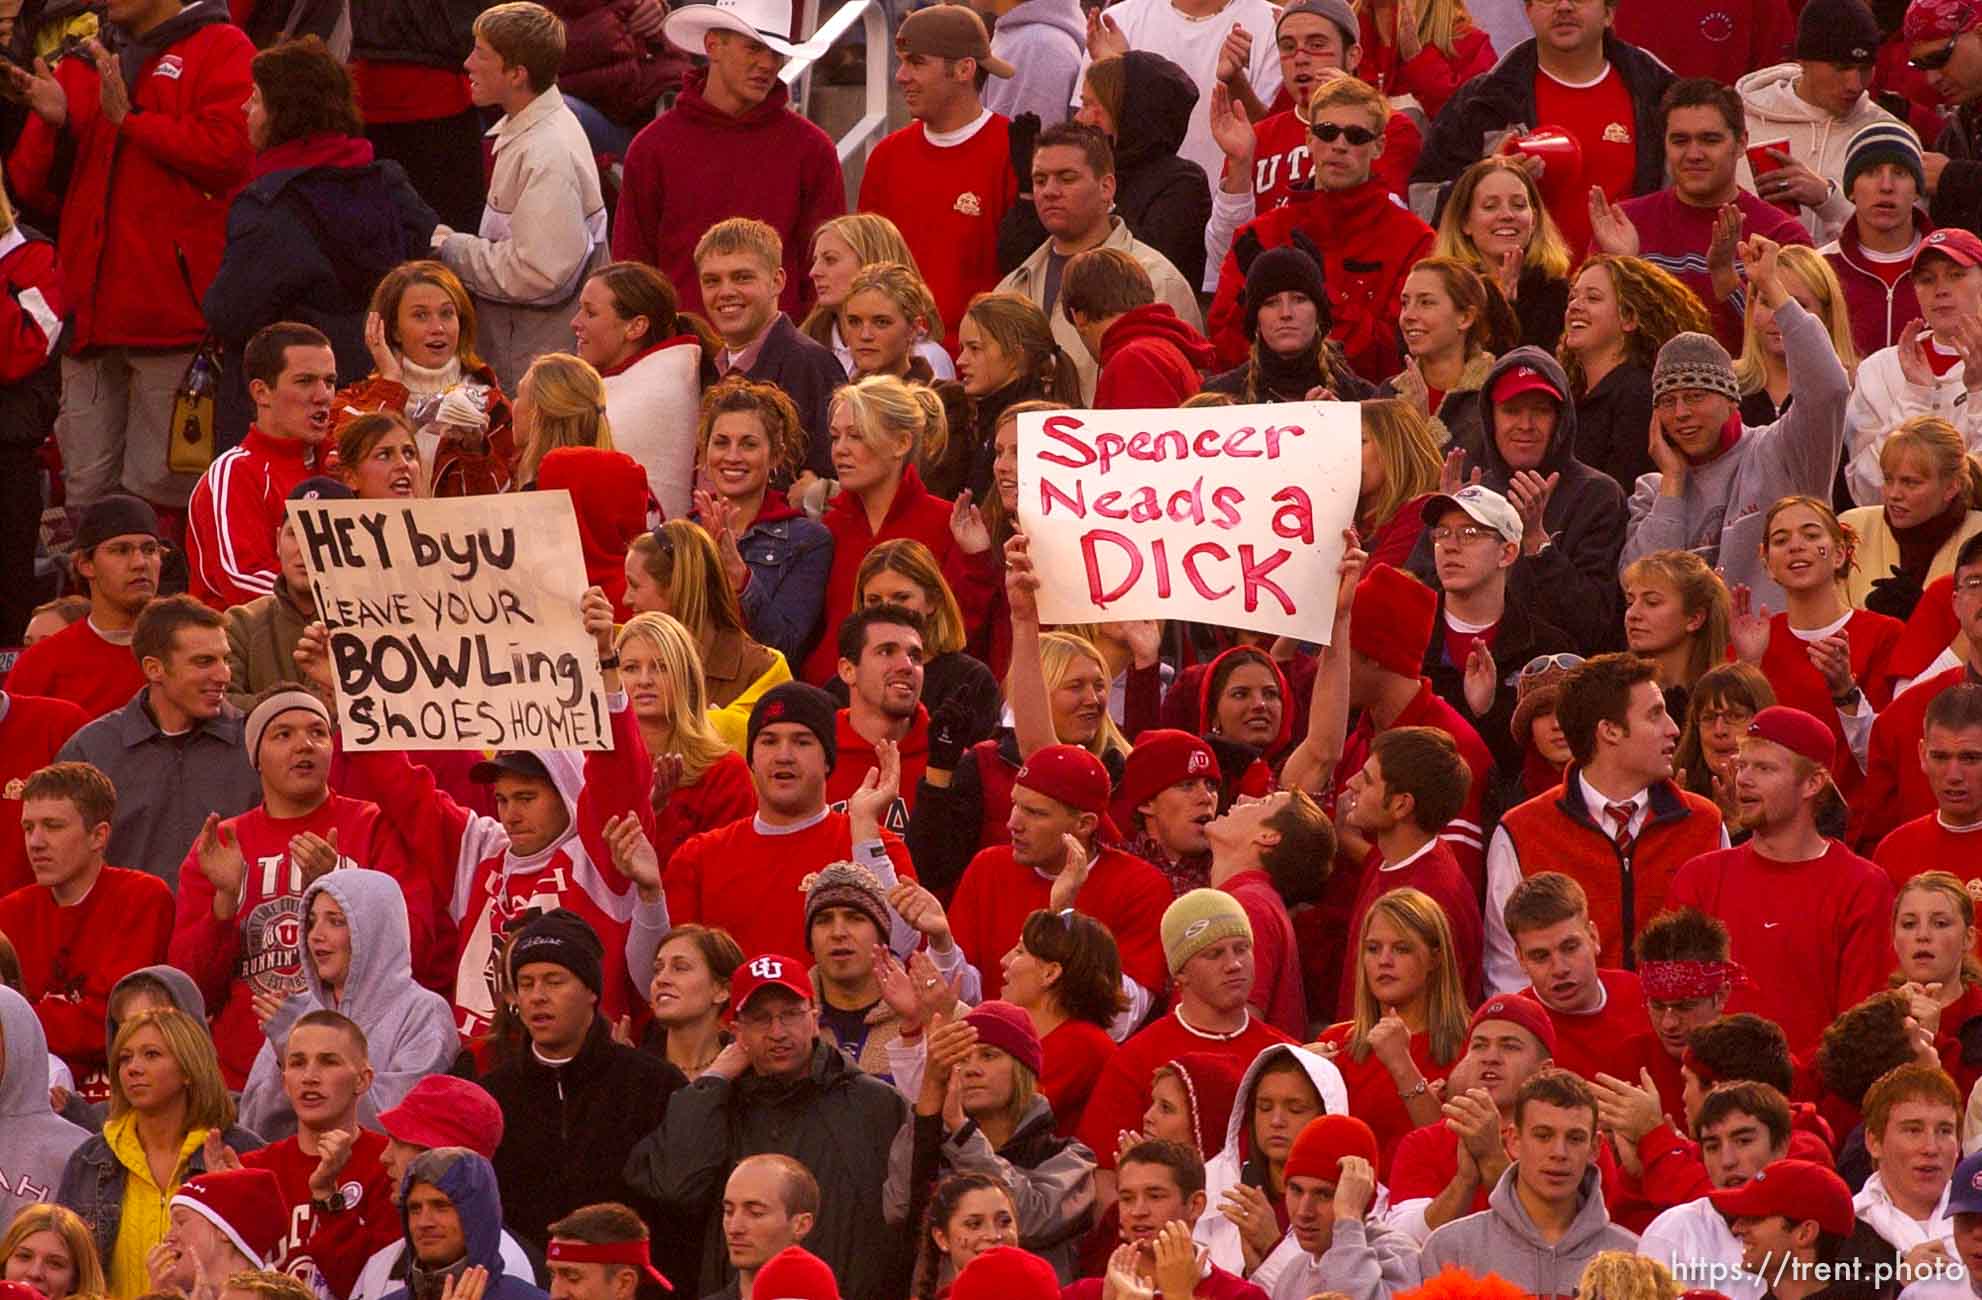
(1150, 358)
(609, 496)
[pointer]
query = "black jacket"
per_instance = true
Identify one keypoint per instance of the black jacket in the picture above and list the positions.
(1958, 198)
(1504, 97)
(310, 245)
(1573, 583)
(1521, 636)
(835, 1121)
(1539, 302)
(567, 1132)
(435, 33)
(808, 372)
(1613, 425)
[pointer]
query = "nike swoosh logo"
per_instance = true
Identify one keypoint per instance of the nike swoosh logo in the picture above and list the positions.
(1770, 925)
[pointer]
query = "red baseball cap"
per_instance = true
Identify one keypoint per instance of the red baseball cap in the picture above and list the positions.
(1795, 1189)
(1952, 242)
(1161, 759)
(443, 1111)
(769, 970)
(1797, 732)
(1070, 774)
(1516, 380)
(1515, 1010)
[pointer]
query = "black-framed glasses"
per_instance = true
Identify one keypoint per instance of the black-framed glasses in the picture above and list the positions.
(1329, 133)
(1939, 58)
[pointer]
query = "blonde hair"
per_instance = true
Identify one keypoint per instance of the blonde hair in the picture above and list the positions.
(1354, 92)
(1941, 445)
(570, 401)
(1058, 653)
(689, 732)
(1949, 884)
(76, 1239)
(903, 286)
(896, 418)
(1698, 588)
(1750, 371)
(943, 626)
(683, 560)
(1441, 22)
(742, 235)
(525, 35)
(1002, 525)
(873, 238)
(1547, 250)
(207, 1103)
(1409, 451)
(1415, 914)
(1626, 1275)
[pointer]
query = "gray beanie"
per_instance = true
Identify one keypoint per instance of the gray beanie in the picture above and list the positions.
(1692, 360)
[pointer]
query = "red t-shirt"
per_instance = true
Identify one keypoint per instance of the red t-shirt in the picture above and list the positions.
(1459, 644)
(1122, 1094)
(1601, 117)
(1591, 1041)
(1435, 872)
(1924, 844)
(1075, 1053)
(1123, 892)
(1373, 1095)
(33, 729)
(326, 1252)
(78, 665)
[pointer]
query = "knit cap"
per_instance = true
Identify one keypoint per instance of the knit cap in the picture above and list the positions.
(845, 884)
(1319, 1148)
(1695, 360)
(1393, 622)
(1286, 269)
(795, 1273)
(804, 704)
(245, 1204)
(562, 938)
(1004, 1273)
(1009, 1029)
(1199, 919)
(1884, 141)
(1837, 31)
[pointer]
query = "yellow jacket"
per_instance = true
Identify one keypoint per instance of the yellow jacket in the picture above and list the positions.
(143, 1219)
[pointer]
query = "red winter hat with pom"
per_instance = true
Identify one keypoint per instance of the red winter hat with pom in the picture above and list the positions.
(1393, 620)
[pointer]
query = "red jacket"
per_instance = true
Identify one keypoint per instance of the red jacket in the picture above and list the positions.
(1432, 76)
(609, 497)
(144, 207)
(1895, 789)
(1557, 832)
(682, 177)
(31, 308)
(1369, 242)
(1878, 310)
(236, 509)
(608, 65)
(33, 728)
(1150, 358)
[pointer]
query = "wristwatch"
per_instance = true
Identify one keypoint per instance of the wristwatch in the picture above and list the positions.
(1849, 701)
(333, 1204)
(609, 661)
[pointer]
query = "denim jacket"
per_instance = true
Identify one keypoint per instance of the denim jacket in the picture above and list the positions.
(93, 1184)
(789, 557)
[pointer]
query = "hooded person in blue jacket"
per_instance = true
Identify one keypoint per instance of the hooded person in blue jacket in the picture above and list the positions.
(453, 1219)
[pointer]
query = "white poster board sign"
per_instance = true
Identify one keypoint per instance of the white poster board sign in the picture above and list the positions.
(454, 622)
(1228, 515)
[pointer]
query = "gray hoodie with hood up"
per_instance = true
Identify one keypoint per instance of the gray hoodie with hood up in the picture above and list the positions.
(1503, 1239)
(35, 1142)
(409, 1030)
(183, 993)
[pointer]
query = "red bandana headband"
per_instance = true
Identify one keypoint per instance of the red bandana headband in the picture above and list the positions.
(632, 1254)
(1678, 981)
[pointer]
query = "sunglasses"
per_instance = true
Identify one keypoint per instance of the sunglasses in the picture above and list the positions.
(1558, 662)
(1939, 58)
(1329, 133)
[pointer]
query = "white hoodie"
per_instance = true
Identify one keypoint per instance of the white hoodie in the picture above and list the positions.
(1694, 1241)
(1777, 115)
(1875, 1206)
(1214, 1231)
(1881, 399)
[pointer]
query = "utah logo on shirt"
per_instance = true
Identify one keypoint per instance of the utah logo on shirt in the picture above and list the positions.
(969, 204)
(1617, 133)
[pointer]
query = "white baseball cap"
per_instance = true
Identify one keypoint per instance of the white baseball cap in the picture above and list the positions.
(1483, 505)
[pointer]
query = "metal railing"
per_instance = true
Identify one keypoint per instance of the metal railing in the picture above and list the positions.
(872, 16)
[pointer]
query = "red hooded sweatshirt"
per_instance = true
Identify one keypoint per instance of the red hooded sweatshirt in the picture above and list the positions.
(1149, 358)
(609, 494)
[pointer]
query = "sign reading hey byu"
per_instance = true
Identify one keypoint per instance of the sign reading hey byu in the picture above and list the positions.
(1231, 515)
(454, 622)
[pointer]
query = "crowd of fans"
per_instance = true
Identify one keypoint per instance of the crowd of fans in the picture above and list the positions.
(1585, 907)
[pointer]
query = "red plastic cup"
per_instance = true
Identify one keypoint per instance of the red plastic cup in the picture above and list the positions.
(1762, 164)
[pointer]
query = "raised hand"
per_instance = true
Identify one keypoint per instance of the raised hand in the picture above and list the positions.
(967, 526)
(1355, 1189)
(1348, 573)
(1831, 657)
(112, 93)
(1793, 182)
(897, 986)
(921, 909)
(217, 1155)
(1067, 885)
(312, 656)
(1232, 130)
(221, 862)
(1144, 638)
(384, 359)
(1390, 1038)
(595, 611)
(1123, 1281)
(1610, 228)
(669, 769)
(1748, 627)
(1409, 43)
(1235, 57)
(39, 90)
(719, 519)
(1104, 38)
(1452, 475)
(314, 855)
(1759, 257)
(1630, 1110)
(333, 1153)
(1670, 460)
(1176, 1263)
(939, 996)
(1508, 274)
(1021, 583)
(1912, 345)
(1529, 493)
(870, 803)
(467, 1285)
(266, 1005)
(1721, 248)
(1968, 343)
(633, 854)
(1482, 681)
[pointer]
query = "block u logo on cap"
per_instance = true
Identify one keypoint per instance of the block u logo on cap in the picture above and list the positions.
(768, 968)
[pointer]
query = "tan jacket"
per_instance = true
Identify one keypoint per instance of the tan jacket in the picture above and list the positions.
(261, 644)
(1171, 287)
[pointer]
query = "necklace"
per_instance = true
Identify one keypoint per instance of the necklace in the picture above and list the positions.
(1213, 1034)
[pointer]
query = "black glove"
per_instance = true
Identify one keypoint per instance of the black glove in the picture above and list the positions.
(1894, 595)
(1024, 130)
(1246, 249)
(949, 733)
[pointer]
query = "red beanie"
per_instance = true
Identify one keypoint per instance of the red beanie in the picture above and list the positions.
(1010, 1030)
(1161, 759)
(1525, 1012)
(1319, 1148)
(1004, 1273)
(1393, 620)
(245, 1204)
(795, 1273)
(1070, 774)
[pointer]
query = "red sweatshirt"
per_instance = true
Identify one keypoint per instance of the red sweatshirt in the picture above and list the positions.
(1150, 358)
(1817, 931)
(33, 730)
(856, 759)
(1600, 1040)
(1075, 1054)
(747, 882)
(947, 202)
(724, 794)
(1122, 892)
(1798, 684)
(328, 1251)
(1895, 789)
(1433, 871)
(1215, 1285)
(1673, 235)
(1373, 1095)
(1281, 159)
(234, 513)
(1925, 844)
(1277, 991)
(258, 949)
(1433, 75)
(1122, 1094)
(78, 665)
(72, 956)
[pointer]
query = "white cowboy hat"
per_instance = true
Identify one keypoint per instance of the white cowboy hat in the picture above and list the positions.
(768, 21)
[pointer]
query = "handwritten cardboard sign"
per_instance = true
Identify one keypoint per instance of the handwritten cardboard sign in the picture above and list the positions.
(1229, 515)
(454, 622)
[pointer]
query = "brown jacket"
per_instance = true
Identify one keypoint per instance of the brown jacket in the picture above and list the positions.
(261, 644)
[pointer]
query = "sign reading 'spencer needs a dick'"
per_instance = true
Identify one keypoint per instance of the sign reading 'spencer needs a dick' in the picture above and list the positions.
(454, 622)
(1229, 515)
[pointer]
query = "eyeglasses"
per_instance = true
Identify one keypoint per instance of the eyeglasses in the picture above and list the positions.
(1939, 58)
(792, 1017)
(1733, 717)
(1970, 586)
(1329, 133)
(1465, 535)
(1544, 663)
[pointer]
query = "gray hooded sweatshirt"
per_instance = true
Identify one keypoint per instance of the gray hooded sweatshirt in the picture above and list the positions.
(1720, 516)
(409, 1030)
(1043, 41)
(184, 994)
(1503, 1239)
(1365, 1261)
(35, 1142)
